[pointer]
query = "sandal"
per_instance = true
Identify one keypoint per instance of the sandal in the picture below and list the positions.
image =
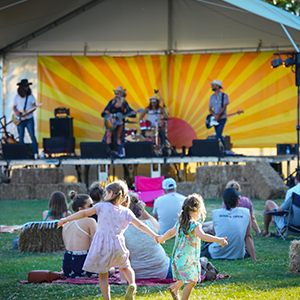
(262, 233)
(275, 234)
(173, 292)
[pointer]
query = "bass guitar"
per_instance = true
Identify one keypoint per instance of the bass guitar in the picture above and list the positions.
(18, 119)
(112, 121)
(210, 120)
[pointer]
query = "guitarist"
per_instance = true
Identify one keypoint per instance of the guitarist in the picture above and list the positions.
(217, 107)
(114, 106)
(24, 101)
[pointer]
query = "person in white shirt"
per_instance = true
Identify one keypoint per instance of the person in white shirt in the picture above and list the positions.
(168, 207)
(23, 102)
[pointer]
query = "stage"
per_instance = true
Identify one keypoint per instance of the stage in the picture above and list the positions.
(106, 166)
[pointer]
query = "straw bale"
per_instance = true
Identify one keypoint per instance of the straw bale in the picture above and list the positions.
(211, 191)
(265, 180)
(248, 190)
(41, 237)
(16, 191)
(44, 191)
(294, 256)
(219, 174)
(186, 188)
(37, 175)
(79, 187)
(49, 175)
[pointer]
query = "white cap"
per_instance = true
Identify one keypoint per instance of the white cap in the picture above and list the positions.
(169, 184)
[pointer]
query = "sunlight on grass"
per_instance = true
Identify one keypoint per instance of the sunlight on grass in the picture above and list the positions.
(267, 279)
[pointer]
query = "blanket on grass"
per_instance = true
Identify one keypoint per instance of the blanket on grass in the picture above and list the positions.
(115, 279)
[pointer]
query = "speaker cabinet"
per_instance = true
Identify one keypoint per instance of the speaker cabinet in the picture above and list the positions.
(93, 150)
(17, 151)
(59, 145)
(61, 127)
(139, 149)
(286, 149)
(209, 147)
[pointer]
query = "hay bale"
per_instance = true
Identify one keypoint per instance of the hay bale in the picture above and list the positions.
(248, 190)
(44, 191)
(212, 191)
(65, 188)
(265, 180)
(219, 174)
(294, 256)
(41, 237)
(16, 191)
(49, 175)
(37, 176)
(186, 188)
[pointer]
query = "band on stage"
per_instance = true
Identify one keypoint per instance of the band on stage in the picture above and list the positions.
(117, 117)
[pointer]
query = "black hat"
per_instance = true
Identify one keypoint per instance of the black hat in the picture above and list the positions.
(24, 82)
(231, 194)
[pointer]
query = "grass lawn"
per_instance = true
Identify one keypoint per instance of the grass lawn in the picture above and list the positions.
(267, 279)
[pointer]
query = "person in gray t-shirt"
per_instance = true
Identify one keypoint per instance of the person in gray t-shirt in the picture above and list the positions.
(147, 258)
(168, 207)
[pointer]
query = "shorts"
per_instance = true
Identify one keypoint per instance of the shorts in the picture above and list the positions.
(73, 262)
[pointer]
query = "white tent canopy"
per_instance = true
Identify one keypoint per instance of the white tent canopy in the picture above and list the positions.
(115, 27)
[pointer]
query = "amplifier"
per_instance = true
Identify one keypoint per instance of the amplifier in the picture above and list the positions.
(61, 112)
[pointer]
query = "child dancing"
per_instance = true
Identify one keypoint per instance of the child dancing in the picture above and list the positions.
(186, 265)
(108, 245)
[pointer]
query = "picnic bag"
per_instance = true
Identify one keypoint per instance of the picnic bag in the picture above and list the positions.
(38, 276)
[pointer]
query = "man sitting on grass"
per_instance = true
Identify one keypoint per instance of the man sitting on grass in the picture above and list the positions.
(234, 223)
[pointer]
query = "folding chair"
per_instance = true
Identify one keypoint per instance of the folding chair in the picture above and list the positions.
(148, 188)
(292, 217)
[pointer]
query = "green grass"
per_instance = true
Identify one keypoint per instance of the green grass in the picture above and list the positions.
(267, 279)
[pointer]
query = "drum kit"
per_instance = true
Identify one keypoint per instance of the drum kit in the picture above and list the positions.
(150, 133)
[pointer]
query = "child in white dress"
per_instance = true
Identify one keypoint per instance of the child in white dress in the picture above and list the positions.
(108, 246)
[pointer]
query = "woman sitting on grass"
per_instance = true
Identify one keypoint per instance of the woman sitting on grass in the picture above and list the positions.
(148, 259)
(77, 236)
(58, 207)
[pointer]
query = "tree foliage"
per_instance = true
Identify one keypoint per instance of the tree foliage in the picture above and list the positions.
(292, 6)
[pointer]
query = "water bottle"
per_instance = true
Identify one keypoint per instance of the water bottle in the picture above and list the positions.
(287, 150)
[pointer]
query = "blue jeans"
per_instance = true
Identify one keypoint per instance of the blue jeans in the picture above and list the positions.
(29, 124)
(219, 131)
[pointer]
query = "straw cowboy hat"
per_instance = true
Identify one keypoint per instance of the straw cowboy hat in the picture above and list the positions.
(24, 82)
(121, 90)
(217, 82)
(154, 97)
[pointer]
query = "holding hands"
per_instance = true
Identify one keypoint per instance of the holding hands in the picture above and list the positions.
(223, 241)
(62, 221)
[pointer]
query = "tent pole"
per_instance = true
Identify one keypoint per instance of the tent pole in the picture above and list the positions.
(290, 38)
(170, 26)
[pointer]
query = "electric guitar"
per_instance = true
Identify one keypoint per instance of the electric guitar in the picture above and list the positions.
(112, 121)
(210, 120)
(18, 119)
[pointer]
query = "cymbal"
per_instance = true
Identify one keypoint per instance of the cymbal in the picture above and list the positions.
(129, 122)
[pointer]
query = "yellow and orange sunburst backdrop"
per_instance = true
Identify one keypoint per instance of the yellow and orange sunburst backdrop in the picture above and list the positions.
(85, 85)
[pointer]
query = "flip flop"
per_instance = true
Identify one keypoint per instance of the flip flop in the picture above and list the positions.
(172, 290)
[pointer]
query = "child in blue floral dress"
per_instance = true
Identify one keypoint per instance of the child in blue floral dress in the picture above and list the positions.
(186, 253)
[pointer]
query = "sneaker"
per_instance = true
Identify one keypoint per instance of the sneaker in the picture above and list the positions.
(131, 291)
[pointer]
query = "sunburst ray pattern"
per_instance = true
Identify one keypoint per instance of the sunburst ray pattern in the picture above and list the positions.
(85, 85)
